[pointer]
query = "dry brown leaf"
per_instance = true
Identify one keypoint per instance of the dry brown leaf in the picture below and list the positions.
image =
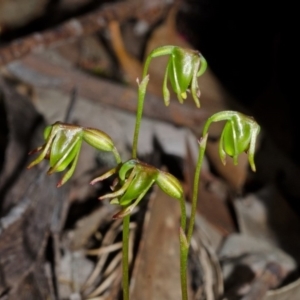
(244, 261)
(267, 216)
(156, 273)
(19, 12)
(288, 292)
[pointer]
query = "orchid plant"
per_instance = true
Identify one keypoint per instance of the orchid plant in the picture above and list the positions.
(134, 177)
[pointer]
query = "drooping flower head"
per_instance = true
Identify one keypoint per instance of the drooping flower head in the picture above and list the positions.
(183, 68)
(239, 135)
(135, 178)
(62, 147)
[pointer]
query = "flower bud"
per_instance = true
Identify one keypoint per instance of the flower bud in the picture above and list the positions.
(98, 139)
(170, 185)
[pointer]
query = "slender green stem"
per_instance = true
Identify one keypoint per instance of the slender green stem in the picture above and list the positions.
(160, 51)
(183, 251)
(202, 147)
(125, 263)
(117, 155)
(183, 214)
(142, 91)
(185, 241)
(139, 113)
(146, 66)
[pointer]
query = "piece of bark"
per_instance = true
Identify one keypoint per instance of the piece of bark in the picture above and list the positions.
(21, 120)
(270, 279)
(37, 71)
(266, 215)
(77, 27)
(29, 200)
(35, 286)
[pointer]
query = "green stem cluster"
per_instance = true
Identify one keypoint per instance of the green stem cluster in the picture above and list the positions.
(239, 135)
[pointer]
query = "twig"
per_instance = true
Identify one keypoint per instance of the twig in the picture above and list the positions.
(107, 249)
(107, 240)
(271, 278)
(106, 92)
(105, 284)
(77, 27)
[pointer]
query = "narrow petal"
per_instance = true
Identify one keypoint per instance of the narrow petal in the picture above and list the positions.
(174, 75)
(128, 209)
(70, 172)
(254, 133)
(194, 85)
(67, 157)
(104, 176)
(166, 93)
(203, 66)
(35, 150)
(45, 148)
(121, 190)
(222, 153)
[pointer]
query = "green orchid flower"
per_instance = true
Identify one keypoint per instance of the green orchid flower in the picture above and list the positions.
(239, 135)
(183, 68)
(135, 178)
(63, 144)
